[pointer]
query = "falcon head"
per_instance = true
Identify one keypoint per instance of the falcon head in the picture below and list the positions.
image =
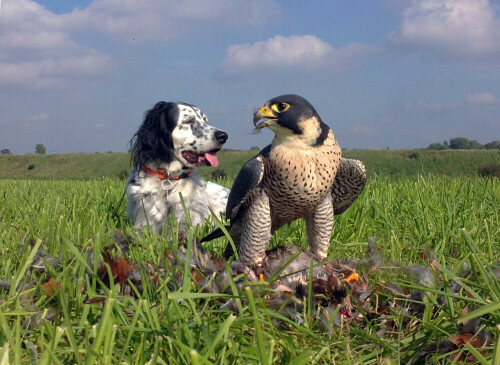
(293, 115)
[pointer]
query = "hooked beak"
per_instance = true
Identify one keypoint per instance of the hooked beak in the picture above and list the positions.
(263, 113)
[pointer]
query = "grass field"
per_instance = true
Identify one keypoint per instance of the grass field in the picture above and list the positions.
(79, 166)
(458, 218)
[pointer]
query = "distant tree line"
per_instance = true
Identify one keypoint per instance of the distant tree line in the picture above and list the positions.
(462, 143)
(40, 149)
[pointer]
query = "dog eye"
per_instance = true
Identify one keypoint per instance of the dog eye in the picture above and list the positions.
(189, 121)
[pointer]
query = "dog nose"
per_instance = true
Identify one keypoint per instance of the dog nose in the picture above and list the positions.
(221, 137)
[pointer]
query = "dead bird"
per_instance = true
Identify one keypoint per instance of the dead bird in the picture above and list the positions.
(296, 271)
(469, 333)
(291, 271)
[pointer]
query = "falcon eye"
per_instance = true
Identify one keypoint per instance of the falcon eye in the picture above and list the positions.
(280, 107)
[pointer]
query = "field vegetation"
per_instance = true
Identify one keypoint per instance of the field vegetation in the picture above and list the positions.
(448, 226)
(83, 166)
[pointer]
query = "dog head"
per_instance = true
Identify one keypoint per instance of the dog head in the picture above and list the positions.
(176, 131)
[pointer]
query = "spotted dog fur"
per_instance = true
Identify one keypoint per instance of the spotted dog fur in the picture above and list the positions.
(174, 138)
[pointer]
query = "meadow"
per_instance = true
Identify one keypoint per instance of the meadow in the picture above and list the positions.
(80, 320)
(84, 166)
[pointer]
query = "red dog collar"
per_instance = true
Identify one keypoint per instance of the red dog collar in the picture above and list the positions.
(160, 173)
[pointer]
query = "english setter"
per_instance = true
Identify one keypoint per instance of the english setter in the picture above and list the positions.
(172, 141)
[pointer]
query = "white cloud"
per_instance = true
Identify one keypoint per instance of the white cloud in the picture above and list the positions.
(422, 105)
(53, 73)
(38, 52)
(28, 25)
(295, 50)
(146, 20)
(453, 27)
(430, 106)
(39, 116)
(279, 50)
(481, 98)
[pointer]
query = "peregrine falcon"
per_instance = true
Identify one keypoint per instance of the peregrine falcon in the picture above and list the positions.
(292, 178)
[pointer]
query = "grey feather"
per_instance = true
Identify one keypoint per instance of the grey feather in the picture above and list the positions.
(247, 179)
(349, 184)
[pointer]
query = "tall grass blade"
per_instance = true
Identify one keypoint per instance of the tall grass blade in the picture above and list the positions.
(226, 233)
(4, 354)
(258, 330)
(484, 309)
(63, 300)
(106, 321)
(496, 349)
(234, 289)
(181, 295)
(480, 265)
(222, 332)
(27, 263)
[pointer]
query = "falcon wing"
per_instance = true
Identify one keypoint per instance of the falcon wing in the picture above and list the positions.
(248, 179)
(349, 184)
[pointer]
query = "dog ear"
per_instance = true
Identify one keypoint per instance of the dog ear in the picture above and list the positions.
(153, 140)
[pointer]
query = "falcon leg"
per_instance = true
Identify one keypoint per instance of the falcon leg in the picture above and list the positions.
(319, 226)
(256, 233)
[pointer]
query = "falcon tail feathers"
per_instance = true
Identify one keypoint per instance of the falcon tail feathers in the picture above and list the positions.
(213, 235)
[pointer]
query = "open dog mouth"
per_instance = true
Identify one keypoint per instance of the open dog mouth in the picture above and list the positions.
(202, 159)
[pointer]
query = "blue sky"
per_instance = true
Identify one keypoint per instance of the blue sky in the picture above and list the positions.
(78, 76)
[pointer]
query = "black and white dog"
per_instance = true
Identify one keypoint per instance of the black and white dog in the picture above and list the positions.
(172, 141)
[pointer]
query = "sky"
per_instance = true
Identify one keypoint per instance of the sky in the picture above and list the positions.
(77, 76)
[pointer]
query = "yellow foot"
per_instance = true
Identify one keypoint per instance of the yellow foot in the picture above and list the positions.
(259, 271)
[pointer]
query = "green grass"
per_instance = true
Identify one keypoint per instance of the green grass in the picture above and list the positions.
(457, 218)
(64, 166)
(454, 163)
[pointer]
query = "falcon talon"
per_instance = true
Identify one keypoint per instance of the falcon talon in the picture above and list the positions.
(353, 277)
(258, 269)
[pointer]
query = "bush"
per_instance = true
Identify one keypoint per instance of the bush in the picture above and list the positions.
(475, 145)
(414, 156)
(40, 149)
(459, 143)
(489, 171)
(122, 175)
(31, 167)
(436, 147)
(218, 174)
(493, 145)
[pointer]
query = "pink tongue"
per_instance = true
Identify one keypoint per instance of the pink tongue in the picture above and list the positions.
(212, 159)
